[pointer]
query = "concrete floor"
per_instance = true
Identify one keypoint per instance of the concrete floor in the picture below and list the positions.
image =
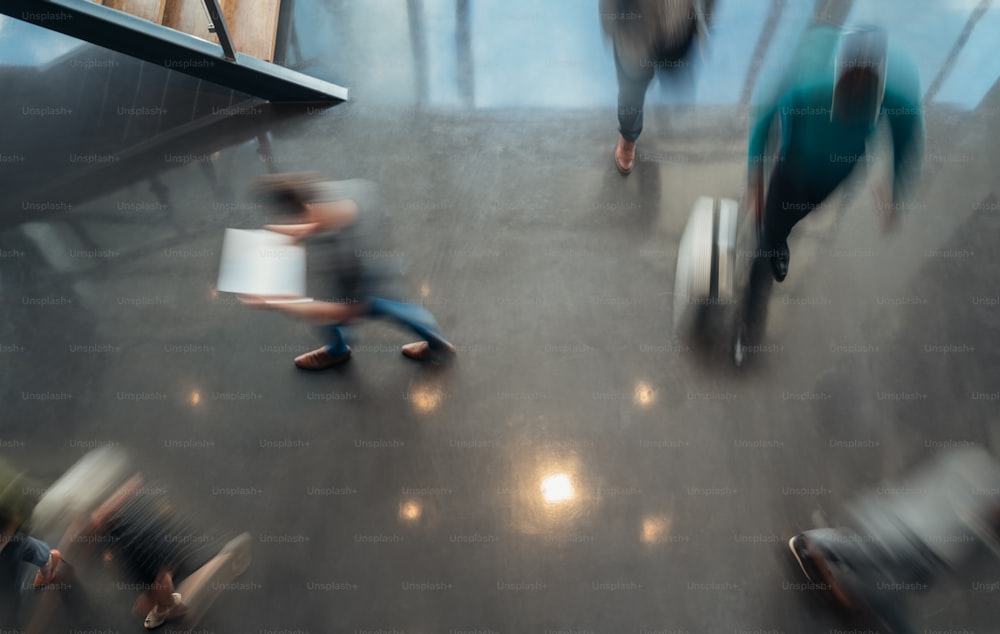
(577, 469)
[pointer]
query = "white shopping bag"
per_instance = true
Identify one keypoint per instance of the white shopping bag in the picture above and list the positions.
(259, 262)
(706, 277)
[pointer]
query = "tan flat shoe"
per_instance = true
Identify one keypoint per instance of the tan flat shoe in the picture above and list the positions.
(422, 351)
(320, 359)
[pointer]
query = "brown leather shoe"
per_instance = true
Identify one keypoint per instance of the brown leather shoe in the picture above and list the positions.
(320, 359)
(422, 351)
(625, 155)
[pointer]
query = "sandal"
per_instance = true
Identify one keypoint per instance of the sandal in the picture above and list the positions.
(155, 618)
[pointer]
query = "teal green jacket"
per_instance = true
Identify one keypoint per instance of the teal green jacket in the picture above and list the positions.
(819, 152)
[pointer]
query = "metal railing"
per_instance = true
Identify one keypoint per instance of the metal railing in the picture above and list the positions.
(218, 26)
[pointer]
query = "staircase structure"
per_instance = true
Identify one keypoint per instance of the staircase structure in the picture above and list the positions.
(227, 42)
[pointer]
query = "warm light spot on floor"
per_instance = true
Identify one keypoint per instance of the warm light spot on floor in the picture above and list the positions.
(195, 397)
(410, 511)
(425, 290)
(557, 488)
(655, 529)
(644, 394)
(426, 399)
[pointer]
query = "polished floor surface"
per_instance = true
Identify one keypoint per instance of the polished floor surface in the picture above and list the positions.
(576, 469)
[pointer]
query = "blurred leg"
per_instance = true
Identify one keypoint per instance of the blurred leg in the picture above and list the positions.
(416, 318)
(166, 603)
(780, 199)
(335, 352)
(337, 345)
(758, 295)
(144, 603)
(163, 591)
(787, 202)
(632, 84)
(38, 553)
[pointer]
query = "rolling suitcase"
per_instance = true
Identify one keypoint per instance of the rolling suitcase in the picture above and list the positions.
(707, 279)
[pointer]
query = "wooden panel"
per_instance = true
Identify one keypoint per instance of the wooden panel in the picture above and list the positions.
(189, 16)
(151, 10)
(253, 25)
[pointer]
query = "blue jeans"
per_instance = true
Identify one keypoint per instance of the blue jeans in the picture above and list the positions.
(633, 81)
(632, 85)
(412, 316)
(35, 552)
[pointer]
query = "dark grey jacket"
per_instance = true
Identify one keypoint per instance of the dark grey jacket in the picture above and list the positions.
(358, 261)
(645, 30)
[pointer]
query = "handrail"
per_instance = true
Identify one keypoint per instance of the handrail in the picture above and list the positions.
(221, 29)
(176, 50)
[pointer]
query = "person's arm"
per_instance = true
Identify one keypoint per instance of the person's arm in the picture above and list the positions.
(760, 130)
(903, 110)
(297, 231)
(311, 310)
(320, 217)
(906, 121)
(757, 148)
(332, 216)
(903, 107)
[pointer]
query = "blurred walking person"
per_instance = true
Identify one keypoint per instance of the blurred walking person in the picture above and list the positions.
(898, 544)
(812, 128)
(15, 512)
(647, 35)
(840, 86)
(352, 276)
